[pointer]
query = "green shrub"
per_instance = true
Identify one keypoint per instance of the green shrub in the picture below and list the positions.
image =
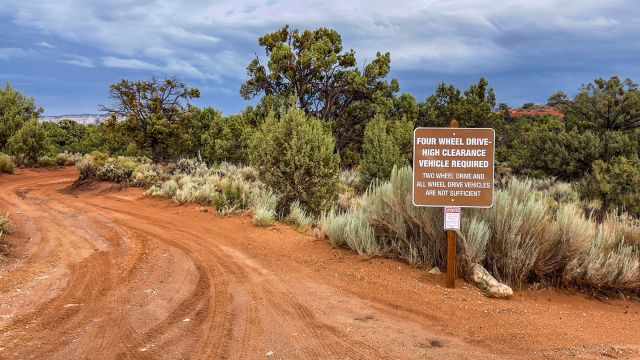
(616, 184)
(16, 109)
(29, 143)
(381, 151)
(227, 139)
(6, 164)
(295, 156)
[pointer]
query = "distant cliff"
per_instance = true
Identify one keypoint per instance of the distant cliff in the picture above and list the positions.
(85, 119)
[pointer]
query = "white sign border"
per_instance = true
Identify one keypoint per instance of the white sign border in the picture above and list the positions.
(413, 175)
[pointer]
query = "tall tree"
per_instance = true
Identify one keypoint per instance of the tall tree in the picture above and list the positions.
(326, 82)
(609, 108)
(152, 111)
(603, 105)
(473, 108)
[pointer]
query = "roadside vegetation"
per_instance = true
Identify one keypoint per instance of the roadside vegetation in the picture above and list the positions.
(5, 229)
(328, 147)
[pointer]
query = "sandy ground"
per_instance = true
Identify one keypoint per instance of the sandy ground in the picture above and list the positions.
(106, 273)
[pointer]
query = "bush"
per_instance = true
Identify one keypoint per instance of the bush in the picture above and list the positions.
(46, 162)
(264, 203)
(6, 164)
(67, 159)
(295, 156)
(146, 175)
(611, 260)
(527, 237)
(15, 110)
(227, 187)
(518, 224)
(351, 230)
(387, 223)
(381, 152)
(121, 169)
(29, 143)
(118, 170)
(298, 216)
(616, 183)
(226, 139)
(89, 165)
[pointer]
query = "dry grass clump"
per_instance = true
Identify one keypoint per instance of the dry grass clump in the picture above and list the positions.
(67, 158)
(136, 171)
(352, 230)
(227, 187)
(7, 165)
(518, 224)
(5, 225)
(299, 217)
(264, 203)
(611, 260)
(387, 223)
(90, 163)
(46, 162)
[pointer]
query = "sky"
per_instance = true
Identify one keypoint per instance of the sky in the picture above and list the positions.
(66, 53)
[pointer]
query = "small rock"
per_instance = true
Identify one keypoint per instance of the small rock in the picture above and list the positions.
(269, 354)
(488, 284)
(435, 271)
(319, 234)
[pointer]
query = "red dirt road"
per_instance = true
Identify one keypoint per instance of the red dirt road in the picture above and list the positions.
(110, 274)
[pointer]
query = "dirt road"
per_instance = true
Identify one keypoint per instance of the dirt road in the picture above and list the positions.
(106, 273)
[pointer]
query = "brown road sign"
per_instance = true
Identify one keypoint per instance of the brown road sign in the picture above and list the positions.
(453, 167)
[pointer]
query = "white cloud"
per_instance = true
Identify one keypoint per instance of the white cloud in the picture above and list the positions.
(215, 40)
(45, 44)
(11, 52)
(78, 60)
(131, 64)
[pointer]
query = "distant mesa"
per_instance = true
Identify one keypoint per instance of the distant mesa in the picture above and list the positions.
(532, 111)
(86, 119)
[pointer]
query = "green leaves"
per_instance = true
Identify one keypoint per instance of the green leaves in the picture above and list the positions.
(616, 183)
(296, 157)
(15, 110)
(29, 143)
(384, 147)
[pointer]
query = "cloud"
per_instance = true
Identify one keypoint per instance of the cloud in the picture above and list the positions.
(78, 60)
(9, 53)
(201, 39)
(45, 44)
(131, 64)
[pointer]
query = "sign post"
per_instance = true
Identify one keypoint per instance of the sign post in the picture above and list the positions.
(453, 168)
